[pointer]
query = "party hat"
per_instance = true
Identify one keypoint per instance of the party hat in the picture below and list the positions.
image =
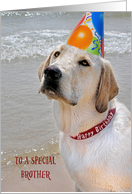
(89, 34)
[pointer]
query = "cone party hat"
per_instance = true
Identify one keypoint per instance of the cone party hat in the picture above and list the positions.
(89, 34)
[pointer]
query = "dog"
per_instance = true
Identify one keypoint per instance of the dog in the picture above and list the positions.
(95, 129)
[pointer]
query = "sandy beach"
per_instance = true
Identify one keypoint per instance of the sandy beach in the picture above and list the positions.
(60, 179)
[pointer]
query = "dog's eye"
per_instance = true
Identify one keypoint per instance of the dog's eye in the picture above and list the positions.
(57, 54)
(84, 63)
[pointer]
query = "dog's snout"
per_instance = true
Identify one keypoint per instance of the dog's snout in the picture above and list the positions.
(52, 72)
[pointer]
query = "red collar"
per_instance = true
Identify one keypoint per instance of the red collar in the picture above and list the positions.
(96, 129)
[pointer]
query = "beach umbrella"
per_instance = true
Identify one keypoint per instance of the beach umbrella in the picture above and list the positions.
(89, 34)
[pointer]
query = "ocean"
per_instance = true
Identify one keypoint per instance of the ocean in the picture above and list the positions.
(27, 124)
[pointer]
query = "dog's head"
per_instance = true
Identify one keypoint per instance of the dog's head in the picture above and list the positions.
(71, 75)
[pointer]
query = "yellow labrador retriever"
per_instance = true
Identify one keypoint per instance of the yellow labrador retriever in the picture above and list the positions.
(94, 128)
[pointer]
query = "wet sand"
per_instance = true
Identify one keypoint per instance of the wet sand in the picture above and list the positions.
(60, 179)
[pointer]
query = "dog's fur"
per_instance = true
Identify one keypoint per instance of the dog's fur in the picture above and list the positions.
(83, 96)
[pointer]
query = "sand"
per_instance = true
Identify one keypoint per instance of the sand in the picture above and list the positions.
(60, 179)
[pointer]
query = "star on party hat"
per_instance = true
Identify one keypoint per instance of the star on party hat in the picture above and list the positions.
(89, 34)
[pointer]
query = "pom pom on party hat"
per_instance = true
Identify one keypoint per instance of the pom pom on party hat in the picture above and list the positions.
(89, 34)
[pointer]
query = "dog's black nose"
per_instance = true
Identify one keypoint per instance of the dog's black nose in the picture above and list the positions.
(52, 72)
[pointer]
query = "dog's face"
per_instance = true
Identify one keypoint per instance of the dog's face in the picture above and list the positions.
(71, 75)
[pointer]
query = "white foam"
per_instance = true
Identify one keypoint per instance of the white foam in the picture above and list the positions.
(32, 44)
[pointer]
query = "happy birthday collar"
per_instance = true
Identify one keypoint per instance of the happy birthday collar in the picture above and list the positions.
(96, 129)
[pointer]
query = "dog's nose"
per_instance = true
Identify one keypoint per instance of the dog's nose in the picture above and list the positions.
(52, 72)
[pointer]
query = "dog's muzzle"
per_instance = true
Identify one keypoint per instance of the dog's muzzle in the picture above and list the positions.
(52, 77)
(50, 87)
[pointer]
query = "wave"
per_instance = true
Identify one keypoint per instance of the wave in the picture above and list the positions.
(39, 14)
(30, 14)
(29, 44)
(39, 43)
(117, 42)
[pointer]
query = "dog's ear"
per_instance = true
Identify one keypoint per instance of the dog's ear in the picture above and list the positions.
(43, 66)
(107, 87)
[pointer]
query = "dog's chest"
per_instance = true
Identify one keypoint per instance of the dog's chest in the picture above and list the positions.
(82, 164)
(90, 165)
